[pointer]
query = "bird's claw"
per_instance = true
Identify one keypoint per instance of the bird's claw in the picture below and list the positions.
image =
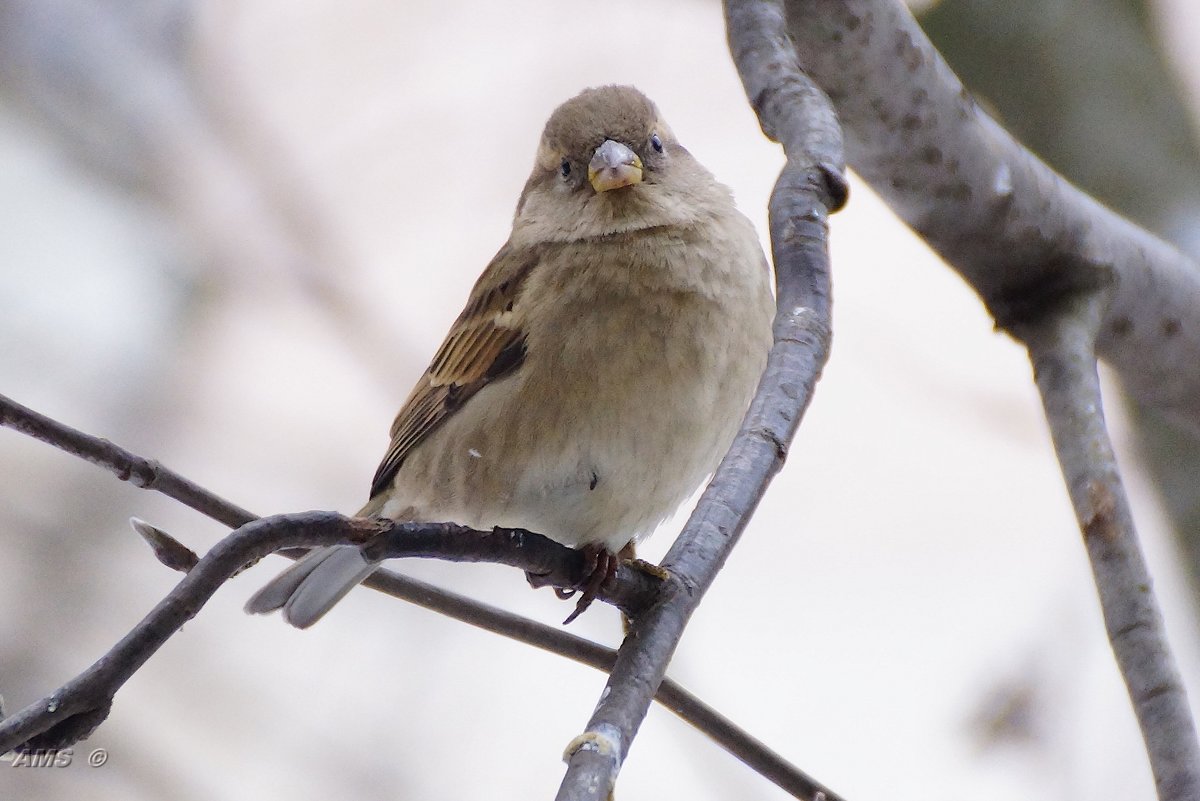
(600, 565)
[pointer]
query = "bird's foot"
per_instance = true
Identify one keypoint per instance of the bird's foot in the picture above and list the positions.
(650, 569)
(599, 565)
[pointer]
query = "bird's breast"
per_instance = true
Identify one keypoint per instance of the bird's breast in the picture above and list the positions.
(644, 369)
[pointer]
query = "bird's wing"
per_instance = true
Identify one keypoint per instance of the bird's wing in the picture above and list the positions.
(486, 342)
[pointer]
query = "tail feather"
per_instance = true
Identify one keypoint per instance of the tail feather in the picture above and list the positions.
(276, 592)
(310, 588)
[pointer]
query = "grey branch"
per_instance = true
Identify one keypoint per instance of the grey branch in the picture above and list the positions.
(1065, 275)
(794, 112)
(74, 710)
(1061, 348)
(1015, 230)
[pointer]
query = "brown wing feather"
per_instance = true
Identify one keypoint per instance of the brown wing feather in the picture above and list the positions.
(485, 343)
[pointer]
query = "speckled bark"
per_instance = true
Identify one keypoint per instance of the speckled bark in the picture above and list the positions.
(1017, 232)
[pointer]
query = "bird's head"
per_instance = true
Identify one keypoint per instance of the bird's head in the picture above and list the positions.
(608, 163)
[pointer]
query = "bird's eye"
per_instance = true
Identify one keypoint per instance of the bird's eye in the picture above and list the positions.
(656, 143)
(565, 168)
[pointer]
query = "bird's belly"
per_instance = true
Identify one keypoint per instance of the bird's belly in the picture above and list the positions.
(625, 439)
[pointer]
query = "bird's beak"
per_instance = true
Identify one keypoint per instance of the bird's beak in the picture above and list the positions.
(613, 166)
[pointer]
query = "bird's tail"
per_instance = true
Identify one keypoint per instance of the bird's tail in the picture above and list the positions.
(310, 588)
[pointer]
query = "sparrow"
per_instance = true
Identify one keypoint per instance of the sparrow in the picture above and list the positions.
(600, 369)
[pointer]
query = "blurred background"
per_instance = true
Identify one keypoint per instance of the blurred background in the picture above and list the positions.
(233, 234)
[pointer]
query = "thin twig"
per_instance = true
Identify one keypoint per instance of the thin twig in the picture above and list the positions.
(91, 698)
(56, 721)
(1062, 350)
(546, 563)
(74, 710)
(811, 185)
(125, 465)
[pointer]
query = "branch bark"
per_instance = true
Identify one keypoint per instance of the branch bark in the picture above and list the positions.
(1143, 160)
(1063, 274)
(1061, 348)
(995, 213)
(796, 113)
(73, 711)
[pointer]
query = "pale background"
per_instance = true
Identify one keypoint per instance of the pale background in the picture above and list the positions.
(914, 570)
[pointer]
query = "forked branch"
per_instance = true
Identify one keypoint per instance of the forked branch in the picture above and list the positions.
(999, 216)
(1065, 275)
